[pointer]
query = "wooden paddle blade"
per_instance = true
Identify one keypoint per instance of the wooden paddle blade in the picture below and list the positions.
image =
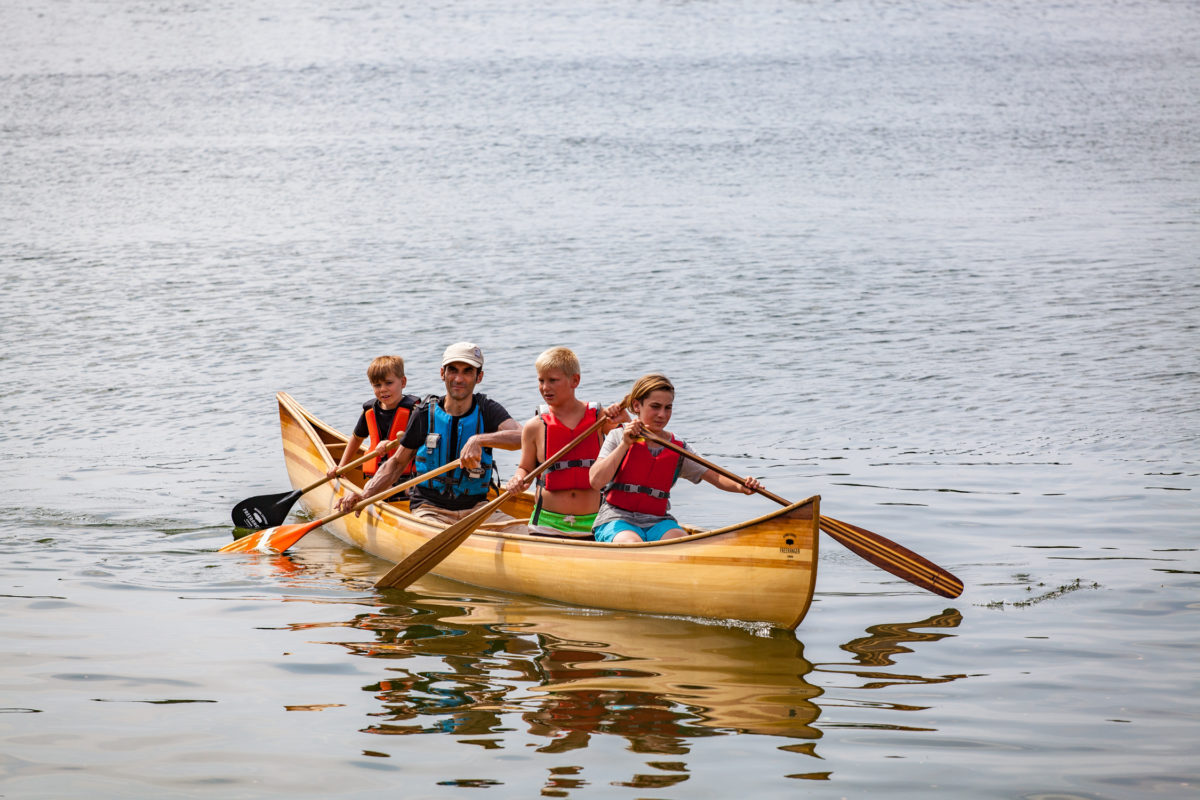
(434, 551)
(893, 558)
(264, 511)
(880, 551)
(427, 555)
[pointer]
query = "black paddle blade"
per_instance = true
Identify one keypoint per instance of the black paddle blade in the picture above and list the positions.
(264, 511)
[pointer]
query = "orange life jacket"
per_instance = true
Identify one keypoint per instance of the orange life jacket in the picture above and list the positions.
(399, 423)
(643, 481)
(571, 472)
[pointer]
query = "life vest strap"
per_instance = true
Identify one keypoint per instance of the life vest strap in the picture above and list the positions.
(635, 489)
(571, 464)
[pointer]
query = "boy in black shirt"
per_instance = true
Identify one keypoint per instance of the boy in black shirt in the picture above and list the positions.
(384, 418)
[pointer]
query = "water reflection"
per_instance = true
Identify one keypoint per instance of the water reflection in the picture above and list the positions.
(571, 675)
(888, 640)
(480, 667)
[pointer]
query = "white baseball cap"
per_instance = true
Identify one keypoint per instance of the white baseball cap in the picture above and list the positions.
(466, 352)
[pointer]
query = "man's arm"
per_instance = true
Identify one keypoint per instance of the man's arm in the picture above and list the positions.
(507, 437)
(392, 469)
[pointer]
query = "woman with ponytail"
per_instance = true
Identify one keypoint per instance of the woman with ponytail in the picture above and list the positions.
(636, 478)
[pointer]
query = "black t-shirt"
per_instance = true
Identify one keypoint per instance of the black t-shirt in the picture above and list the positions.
(493, 415)
(383, 418)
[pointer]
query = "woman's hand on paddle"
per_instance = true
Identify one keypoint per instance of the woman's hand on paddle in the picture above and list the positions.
(632, 432)
(750, 485)
(729, 482)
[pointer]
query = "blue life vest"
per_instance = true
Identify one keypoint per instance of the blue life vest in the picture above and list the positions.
(452, 433)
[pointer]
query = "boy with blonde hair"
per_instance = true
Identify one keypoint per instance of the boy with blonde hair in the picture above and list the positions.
(566, 502)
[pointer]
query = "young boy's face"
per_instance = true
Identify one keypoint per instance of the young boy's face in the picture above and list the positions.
(390, 390)
(556, 387)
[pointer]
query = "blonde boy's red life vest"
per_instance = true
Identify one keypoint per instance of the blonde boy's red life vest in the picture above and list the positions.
(399, 423)
(643, 481)
(570, 472)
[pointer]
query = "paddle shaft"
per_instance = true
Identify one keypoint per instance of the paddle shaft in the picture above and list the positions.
(388, 492)
(294, 533)
(430, 554)
(389, 444)
(270, 510)
(879, 550)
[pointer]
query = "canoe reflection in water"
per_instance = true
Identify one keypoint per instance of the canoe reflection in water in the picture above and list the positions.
(657, 682)
(570, 674)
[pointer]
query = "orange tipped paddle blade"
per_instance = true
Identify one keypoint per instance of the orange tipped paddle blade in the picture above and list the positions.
(283, 537)
(246, 543)
(272, 540)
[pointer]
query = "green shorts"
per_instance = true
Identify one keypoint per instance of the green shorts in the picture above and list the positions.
(574, 525)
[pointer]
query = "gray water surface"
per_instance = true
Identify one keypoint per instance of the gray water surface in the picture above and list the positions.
(936, 263)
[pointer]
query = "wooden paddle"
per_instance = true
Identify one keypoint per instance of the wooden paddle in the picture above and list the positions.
(430, 554)
(276, 540)
(270, 510)
(880, 551)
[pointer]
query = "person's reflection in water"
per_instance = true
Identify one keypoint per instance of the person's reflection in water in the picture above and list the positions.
(569, 717)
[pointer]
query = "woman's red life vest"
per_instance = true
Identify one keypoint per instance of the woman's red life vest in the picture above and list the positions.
(571, 472)
(643, 481)
(399, 423)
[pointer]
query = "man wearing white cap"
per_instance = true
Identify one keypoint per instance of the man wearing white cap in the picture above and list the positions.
(461, 424)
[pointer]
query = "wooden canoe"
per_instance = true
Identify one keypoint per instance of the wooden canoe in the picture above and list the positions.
(761, 570)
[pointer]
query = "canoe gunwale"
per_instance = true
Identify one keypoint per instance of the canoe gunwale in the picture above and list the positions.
(310, 422)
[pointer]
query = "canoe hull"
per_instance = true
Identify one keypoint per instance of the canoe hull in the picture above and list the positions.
(761, 570)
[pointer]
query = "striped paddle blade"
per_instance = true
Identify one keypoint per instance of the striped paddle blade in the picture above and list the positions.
(893, 558)
(272, 540)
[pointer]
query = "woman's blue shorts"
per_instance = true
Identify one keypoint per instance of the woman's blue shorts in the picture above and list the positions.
(607, 531)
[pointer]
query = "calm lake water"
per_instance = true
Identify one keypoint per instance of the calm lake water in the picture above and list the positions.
(935, 262)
